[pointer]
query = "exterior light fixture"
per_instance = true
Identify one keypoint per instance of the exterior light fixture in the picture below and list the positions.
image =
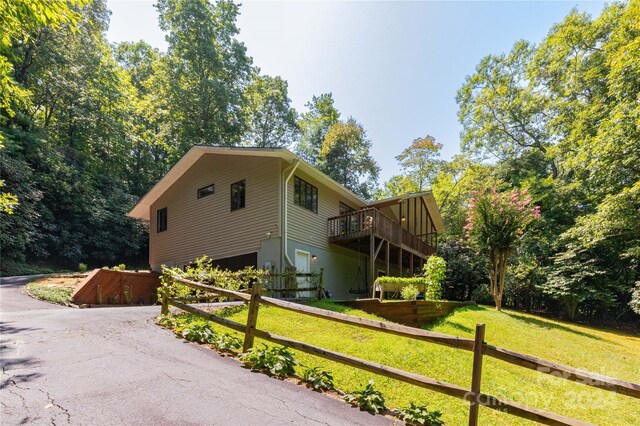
(314, 257)
(403, 218)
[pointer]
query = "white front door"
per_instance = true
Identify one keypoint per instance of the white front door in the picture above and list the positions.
(303, 265)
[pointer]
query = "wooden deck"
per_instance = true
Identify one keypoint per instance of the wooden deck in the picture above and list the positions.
(354, 230)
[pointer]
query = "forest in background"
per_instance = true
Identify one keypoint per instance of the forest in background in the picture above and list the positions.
(88, 127)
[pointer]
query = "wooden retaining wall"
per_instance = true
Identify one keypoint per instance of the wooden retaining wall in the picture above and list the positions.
(413, 313)
(106, 287)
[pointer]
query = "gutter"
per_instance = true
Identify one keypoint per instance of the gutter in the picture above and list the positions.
(284, 240)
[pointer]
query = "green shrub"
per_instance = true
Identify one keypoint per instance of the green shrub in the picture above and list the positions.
(227, 342)
(200, 332)
(277, 361)
(410, 292)
(318, 379)
(168, 321)
(203, 271)
(82, 267)
(481, 295)
(420, 415)
(434, 272)
(120, 267)
(368, 399)
(416, 281)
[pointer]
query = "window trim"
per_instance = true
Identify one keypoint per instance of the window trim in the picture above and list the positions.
(159, 222)
(244, 194)
(212, 186)
(300, 199)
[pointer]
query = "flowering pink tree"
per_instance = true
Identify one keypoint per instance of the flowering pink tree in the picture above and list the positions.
(495, 223)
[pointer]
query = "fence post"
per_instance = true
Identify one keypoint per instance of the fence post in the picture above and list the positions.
(252, 316)
(320, 285)
(476, 377)
(164, 310)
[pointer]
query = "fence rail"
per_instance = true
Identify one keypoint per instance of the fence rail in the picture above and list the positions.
(477, 345)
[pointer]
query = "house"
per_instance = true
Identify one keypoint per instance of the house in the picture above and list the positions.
(268, 208)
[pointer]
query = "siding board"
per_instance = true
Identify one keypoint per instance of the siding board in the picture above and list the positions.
(308, 227)
(207, 225)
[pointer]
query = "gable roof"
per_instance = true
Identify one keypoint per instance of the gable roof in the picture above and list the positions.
(142, 209)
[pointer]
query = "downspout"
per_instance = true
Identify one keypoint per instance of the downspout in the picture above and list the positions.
(284, 241)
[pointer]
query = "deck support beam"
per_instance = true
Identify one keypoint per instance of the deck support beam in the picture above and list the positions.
(372, 259)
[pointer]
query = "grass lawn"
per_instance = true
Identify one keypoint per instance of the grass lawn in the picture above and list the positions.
(601, 351)
(54, 289)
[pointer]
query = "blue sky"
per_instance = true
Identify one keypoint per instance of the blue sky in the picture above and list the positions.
(394, 66)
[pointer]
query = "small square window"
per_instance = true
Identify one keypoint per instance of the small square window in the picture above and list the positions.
(161, 220)
(237, 195)
(207, 190)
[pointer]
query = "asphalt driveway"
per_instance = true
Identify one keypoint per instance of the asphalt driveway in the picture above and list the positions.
(113, 366)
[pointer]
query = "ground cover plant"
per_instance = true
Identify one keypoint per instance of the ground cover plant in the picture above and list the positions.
(368, 399)
(57, 289)
(51, 293)
(608, 352)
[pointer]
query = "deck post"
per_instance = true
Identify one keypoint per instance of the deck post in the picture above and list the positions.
(400, 261)
(321, 284)
(387, 255)
(252, 316)
(164, 300)
(476, 377)
(372, 260)
(411, 265)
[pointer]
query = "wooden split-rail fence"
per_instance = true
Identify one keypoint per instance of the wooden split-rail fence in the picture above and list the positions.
(478, 346)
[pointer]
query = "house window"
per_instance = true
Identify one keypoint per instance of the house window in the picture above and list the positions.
(161, 220)
(207, 190)
(345, 209)
(305, 195)
(237, 195)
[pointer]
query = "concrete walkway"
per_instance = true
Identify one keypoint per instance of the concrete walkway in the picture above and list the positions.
(113, 366)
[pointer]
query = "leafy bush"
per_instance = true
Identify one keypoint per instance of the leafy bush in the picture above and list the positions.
(227, 342)
(482, 295)
(318, 379)
(82, 267)
(203, 271)
(277, 361)
(120, 267)
(168, 321)
(368, 399)
(434, 273)
(200, 332)
(410, 292)
(420, 415)
(417, 281)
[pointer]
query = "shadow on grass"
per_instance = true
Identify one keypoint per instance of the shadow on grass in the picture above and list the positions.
(447, 321)
(551, 325)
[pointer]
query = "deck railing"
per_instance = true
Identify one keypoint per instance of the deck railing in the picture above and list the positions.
(370, 220)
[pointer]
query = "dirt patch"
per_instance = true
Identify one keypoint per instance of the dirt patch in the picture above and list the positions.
(70, 281)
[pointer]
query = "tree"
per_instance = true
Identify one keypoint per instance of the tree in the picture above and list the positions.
(434, 273)
(501, 110)
(345, 156)
(495, 222)
(420, 161)
(149, 155)
(271, 120)
(315, 125)
(207, 70)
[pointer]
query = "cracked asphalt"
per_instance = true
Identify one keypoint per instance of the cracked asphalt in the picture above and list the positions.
(113, 366)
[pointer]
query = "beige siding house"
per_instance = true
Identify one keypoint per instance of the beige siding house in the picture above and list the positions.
(267, 208)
